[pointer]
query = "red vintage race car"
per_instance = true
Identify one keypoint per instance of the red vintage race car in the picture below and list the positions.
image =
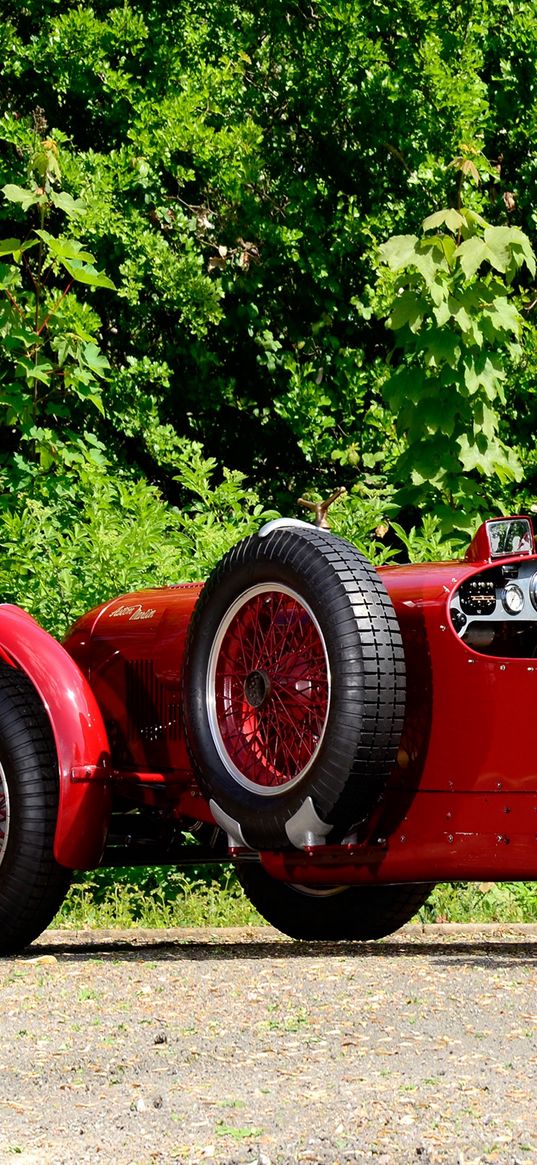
(347, 736)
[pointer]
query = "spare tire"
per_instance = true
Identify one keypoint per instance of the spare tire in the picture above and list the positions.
(294, 688)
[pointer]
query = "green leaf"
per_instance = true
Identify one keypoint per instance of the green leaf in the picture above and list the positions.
(440, 347)
(41, 372)
(506, 240)
(429, 261)
(15, 247)
(407, 383)
(504, 316)
(71, 206)
(95, 360)
(499, 242)
(449, 247)
(487, 419)
(97, 401)
(409, 309)
(438, 414)
(438, 289)
(63, 248)
(472, 218)
(239, 1134)
(428, 461)
(472, 252)
(484, 372)
(399, 251)
(46, 459)
(9, 246)
(523, 244)
(448, 217)
(27, 198)
(488, 457)
(459, 313)
(88, 275)
(442, 313)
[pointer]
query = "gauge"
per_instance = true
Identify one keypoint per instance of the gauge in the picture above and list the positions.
(477, 596)
(513, 599)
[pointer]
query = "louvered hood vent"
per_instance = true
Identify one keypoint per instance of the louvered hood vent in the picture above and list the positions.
(153, 707)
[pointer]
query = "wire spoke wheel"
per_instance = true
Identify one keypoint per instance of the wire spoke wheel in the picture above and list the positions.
(268, 689)
(294, 688)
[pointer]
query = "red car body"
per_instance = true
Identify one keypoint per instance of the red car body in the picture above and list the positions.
(459, 803)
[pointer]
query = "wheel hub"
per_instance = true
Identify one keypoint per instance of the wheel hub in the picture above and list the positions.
(257, 688)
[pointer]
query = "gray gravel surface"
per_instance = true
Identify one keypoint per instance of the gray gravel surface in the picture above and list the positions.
(236, 1047)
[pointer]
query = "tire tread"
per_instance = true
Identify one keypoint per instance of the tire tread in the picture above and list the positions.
(32, 884)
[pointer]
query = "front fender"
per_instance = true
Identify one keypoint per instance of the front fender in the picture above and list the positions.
(79, 734)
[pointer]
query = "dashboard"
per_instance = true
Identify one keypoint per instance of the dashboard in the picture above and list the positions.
(495, 612)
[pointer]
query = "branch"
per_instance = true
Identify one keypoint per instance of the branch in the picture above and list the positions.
(14, 303)
(54, 307)
(320, 508)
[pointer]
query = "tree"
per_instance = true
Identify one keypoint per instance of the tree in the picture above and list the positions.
(240, 165)
(52, 363)
(459, 330)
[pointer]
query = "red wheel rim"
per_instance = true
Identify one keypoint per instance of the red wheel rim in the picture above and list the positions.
(268, 689)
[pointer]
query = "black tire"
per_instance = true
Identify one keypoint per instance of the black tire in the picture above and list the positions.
(320, 713)
(349, 913)
(32, 884)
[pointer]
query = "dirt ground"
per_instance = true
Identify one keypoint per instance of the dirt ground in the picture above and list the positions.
(160, 1048)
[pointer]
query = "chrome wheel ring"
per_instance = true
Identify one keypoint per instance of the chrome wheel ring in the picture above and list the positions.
(4, 814)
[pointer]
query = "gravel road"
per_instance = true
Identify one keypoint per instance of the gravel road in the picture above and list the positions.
(160, 1048)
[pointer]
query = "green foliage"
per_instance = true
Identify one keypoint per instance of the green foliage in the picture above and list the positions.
(77, 539)
(52, 363)
(167, 897)
(427, 543)
(459, 330)
(162, 897)
(236, 181)
(481, 902)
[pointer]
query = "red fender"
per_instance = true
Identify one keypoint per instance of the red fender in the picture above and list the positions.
(79, 733)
